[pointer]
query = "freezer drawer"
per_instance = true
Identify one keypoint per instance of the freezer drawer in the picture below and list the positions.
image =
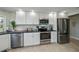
(63, 39)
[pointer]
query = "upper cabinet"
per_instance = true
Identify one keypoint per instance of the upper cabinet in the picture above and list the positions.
(27, 18)
(20, 17)
(53, 20)
(32, 18)
(43, 15)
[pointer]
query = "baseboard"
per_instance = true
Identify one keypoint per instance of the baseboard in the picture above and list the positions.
(74, 37)
(4, 50)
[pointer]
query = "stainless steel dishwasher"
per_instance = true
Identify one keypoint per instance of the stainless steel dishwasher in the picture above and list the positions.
(17, 40)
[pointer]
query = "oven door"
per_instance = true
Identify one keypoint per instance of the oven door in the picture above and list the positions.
(46, 35)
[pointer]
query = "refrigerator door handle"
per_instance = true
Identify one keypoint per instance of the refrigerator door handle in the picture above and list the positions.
(65, 27)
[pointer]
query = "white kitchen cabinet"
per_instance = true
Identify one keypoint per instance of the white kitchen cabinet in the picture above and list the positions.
(50, 20)
(9, 41)
(20, 18)
(36, 20)
(43, 15)
(4, 42)
(54, 36)
(27, 39)
(31, 39)
(28, 19)
(53, 20)
(32, 19)
(36, 38)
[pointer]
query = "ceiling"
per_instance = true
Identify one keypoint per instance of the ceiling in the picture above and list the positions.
(42, 9)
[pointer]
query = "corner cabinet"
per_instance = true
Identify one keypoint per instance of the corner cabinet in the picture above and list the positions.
(31, 39)
(4, 42)
(54, 37)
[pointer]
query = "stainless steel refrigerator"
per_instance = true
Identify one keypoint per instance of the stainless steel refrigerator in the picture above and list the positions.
(63, 29)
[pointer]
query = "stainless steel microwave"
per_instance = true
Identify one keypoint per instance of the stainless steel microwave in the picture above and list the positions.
(44, 21)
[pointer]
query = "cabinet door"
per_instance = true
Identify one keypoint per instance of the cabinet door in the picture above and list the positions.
(4, 42)
(51, 19)
(54, 37)
(36, 38)
(32, 19)
(20, 18)
(28, 40)
(55, 22)
(29, 19)
(36, 19)
(8, 41)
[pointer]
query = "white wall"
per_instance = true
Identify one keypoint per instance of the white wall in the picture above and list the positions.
(74, 26)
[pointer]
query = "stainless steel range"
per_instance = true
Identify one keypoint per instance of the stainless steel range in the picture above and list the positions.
(45, 37)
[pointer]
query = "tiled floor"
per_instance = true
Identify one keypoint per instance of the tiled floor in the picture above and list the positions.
(69, 47)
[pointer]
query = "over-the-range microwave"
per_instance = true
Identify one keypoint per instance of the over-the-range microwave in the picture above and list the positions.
(43, 21)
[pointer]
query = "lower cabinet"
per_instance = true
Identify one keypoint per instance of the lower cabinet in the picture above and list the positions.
(53, 37)
(4, 42)
(31, 39)
(34, 38)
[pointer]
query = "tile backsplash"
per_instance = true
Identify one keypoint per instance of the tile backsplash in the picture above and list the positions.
(27, 27)
(32, 27)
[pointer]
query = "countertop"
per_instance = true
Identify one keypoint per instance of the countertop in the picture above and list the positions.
(13, 32)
